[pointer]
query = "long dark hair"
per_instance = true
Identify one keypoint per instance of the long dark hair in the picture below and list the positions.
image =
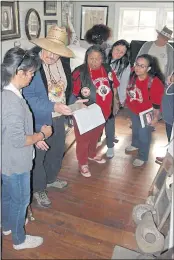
(123, 62)
(17, 59)
(155, 70)
(92, 48)
(98, 34)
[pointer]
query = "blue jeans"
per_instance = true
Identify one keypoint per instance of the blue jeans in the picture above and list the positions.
(15, 200)
(110, 131)
(141, 137)
(168, 131)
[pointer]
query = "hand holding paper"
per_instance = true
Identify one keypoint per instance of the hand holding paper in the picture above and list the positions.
(88, 118)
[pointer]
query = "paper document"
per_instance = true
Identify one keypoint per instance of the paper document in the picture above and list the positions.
(76, 106)
(88, 118)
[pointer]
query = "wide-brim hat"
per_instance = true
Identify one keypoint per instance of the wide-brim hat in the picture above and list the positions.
(166, 32)
(55, 42)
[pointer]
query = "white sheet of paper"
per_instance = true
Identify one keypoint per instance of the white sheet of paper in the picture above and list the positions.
(89, 118)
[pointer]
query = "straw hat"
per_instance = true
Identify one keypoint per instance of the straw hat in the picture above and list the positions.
(55, 42)
(166, 32)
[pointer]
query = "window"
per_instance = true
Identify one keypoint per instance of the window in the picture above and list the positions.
(137, 24)
(140, 23)
(169, 20)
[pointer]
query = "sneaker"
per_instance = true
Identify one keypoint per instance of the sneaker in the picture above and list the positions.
(60, 184)
(159, 160)
(84, 170)
(138, 163)
(110, 153)
(131, 148)
(42, 199)
(97, 159)
(30, 242)
(6, 233)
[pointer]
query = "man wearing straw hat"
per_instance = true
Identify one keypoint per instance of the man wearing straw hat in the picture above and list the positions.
(161, 49)
(47, 96)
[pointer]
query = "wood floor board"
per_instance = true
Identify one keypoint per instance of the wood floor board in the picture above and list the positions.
(92, 215)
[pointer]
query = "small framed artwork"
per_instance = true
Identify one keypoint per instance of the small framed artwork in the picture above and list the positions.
(32, 24)
(50, 7)
(91, 15)
(10, 25)
(48, 24)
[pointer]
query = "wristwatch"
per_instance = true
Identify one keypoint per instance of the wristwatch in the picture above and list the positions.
(44, 137)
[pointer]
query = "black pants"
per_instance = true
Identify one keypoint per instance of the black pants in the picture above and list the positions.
(47, 164)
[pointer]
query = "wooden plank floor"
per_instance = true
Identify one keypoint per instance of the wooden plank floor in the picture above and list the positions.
(92, 215)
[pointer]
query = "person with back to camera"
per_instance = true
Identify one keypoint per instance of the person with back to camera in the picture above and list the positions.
(18, 69)
(99, 34)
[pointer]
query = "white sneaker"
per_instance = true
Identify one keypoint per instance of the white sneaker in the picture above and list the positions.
(138, 163)
(110, 153)
(6, 233)
(30, 242)
(131, 148)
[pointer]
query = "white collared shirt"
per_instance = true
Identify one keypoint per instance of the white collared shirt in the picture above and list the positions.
(12, 88)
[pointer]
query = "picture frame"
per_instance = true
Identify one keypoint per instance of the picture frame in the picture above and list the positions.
(50, 8)
(91, 15)
(48, 24)
(32, 24)
(10, 25)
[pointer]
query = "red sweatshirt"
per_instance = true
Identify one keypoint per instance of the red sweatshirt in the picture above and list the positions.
(140, 98)
(99, 78)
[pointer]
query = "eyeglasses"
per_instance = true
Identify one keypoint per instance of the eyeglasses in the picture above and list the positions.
(23, 57)
(142, 66)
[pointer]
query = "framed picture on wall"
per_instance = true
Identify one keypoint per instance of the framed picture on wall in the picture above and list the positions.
(50, 8)
(32, 24)
(10, 25)
(48, 24)
(91, 15)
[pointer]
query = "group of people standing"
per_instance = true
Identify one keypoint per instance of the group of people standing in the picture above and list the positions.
(38, 86)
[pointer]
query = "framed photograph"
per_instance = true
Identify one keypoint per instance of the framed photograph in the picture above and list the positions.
(50, 7)
(48, 24)
(10, 25)
(91, 15)
(32, 24)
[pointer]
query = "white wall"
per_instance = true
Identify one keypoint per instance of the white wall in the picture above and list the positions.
(24, 6)
(113, 15)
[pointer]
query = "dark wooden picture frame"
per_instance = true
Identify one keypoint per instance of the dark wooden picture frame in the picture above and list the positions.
(48, 23)
(32, 24)
(10, 24)
(50, 8)
(91, 15)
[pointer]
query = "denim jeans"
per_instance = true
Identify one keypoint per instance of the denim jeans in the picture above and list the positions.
(110, 131)
(15, 199)
(141, 137)
(168, 131)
